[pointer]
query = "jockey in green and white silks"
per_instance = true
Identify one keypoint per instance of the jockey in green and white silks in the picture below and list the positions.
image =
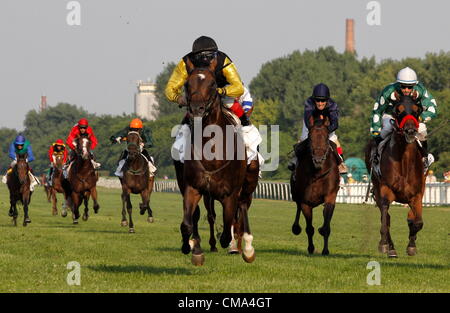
(408, 85)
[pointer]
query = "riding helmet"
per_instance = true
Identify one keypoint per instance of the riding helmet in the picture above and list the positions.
(204, 43)
(136, 123)
(321, 91)
(83, 122)
(407, 76)
(20, 140)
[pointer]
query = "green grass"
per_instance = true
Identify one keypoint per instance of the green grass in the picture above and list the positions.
(34, 258)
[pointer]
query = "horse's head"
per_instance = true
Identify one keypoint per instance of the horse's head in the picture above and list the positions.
(59, 160)
(22, 167)
(406, 114)
(318, 139)
(133, 144)
(201, 88)
(82, 147)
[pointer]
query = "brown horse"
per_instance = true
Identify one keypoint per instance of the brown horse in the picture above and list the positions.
(316, 181)
(218, 178)
(136, 179)
(56, 187)
(18, 182)
(82, 180)
(402, 176)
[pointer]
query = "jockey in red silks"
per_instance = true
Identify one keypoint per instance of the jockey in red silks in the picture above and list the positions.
(57, 148)
(81, 129)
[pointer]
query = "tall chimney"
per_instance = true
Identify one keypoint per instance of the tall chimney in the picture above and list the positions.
(349, 36)
(43, 104)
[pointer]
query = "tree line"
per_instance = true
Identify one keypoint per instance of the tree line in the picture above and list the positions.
(279, 91)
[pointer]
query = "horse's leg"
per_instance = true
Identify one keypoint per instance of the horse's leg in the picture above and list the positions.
(26, 201)
(307, 213)
(76, 202)
(325, 230)
(386, 244)
(94, 198)
(130, 210)
(145, 205)
(124, 221)
(415, 223)
(296, 229)
(86, 196)
(209, 205)
(52, 193)
(248, 253)
(190, 202)
(229, 212)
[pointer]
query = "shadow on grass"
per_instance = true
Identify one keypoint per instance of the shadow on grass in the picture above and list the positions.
(317, 253)
(140, 269)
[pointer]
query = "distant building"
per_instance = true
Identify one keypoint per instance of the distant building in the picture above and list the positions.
(43, 104)
(145, 103)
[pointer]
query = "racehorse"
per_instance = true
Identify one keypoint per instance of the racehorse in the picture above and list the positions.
(18, 182)
(402, 176)
(82, 180)
(57, 187)
(136, 179)
(227, 181)
(316, 181)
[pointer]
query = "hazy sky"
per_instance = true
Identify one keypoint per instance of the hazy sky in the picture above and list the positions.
(96, 65)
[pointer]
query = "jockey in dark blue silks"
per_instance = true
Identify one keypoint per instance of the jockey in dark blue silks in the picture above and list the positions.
(321, 104)
(21, 146)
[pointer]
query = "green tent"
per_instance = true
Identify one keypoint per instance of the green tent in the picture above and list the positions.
(357, 168)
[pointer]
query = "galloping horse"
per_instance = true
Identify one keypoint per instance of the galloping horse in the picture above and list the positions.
(136, 179)
(316, 181)
(227, 181)
(402, 176)
(82, 180)
(57, 187)
(18, 182)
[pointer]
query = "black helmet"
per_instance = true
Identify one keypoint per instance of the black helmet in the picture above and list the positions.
(204, 43)
(321, 91)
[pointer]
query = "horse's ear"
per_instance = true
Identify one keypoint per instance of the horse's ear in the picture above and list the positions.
(189, 65)
(311, 121)
(213, 65)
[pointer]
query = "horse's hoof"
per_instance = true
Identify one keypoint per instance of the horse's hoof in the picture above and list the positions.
(64, 213)
(124, 223)
(214, 249)
(198, 259)
(27, 220)
(131, 231)
(249, 257)
(296, 229)
(411, 251)
(142, 211)
(383, 248)
(150, 219)
(392, 254)
(325, 252)
(75, 222)
(54, 213)
(311, 249)
(85, 217)
(96, 208)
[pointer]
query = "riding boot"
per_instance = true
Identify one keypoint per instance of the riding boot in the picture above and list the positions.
(292, 164)
(375, 156)
(94, 163)
(343, 169)
(428, 158)
(120, 163)
(151, 163)
(244, 120)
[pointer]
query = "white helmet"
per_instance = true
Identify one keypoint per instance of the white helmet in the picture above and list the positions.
(407, 76)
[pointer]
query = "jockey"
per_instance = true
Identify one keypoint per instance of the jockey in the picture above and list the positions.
(146, 135)
(320, 103)
(57, 148)
(408, 85)
(81, 129)
(21, 146)
(204, 50)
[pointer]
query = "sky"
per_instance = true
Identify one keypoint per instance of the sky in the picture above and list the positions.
(95, 65)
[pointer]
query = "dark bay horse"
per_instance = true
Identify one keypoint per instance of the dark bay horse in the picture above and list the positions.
(226, 180)
(136, 179)
(316, 181)
(402, 174)
(57, 187)
(18, 182)
(82, 180)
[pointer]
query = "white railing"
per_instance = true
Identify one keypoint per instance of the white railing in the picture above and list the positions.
(435, 193)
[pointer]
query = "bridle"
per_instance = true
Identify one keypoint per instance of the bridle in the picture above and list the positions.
(208, 102)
